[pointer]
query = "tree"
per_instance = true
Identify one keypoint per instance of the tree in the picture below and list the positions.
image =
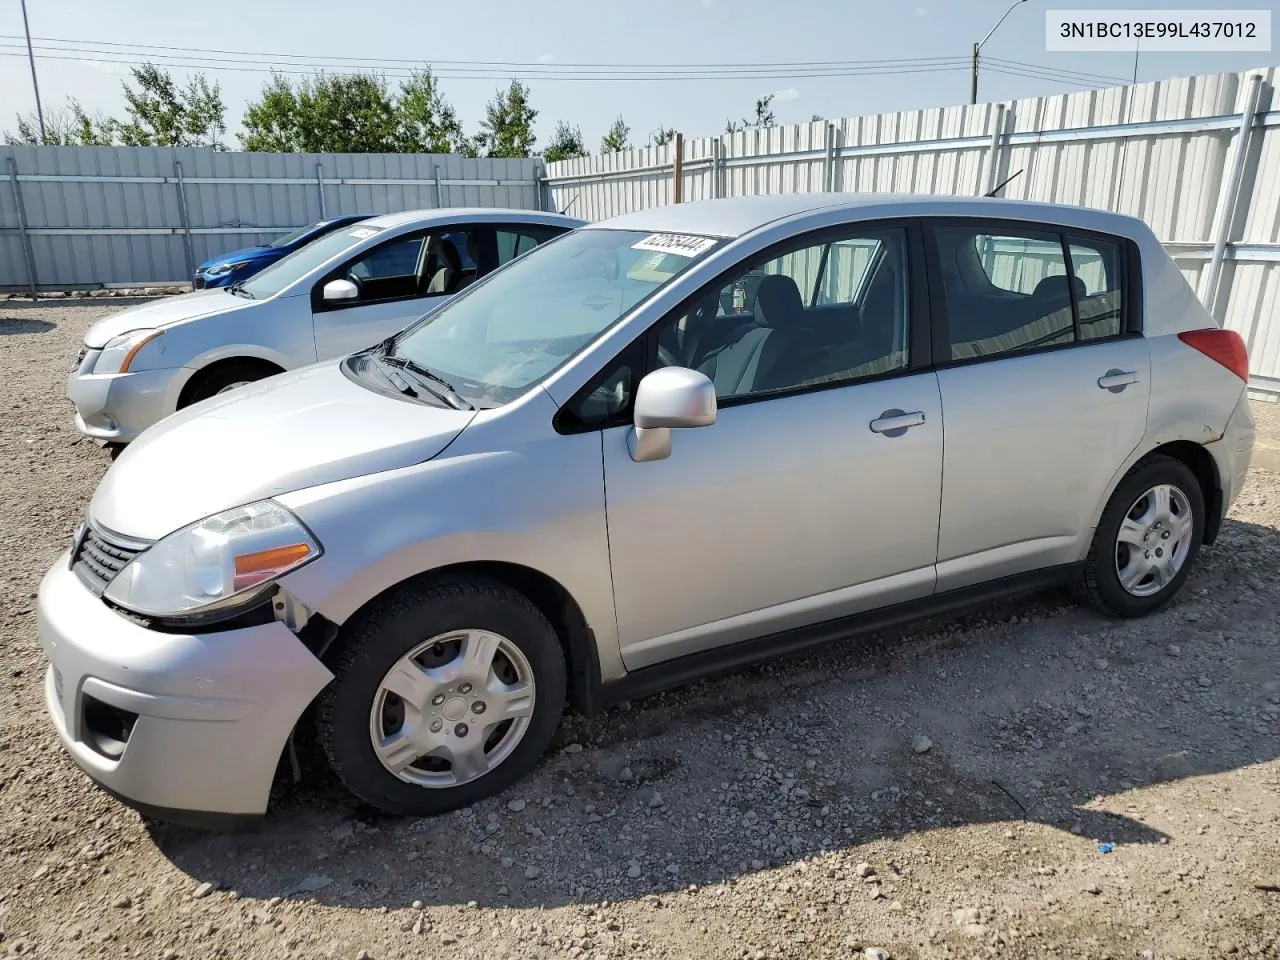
(163, 115)
(69, 126)
(816, 118)
(428, 123)
(326, 113)
(618, 137)
(507, 129)
(662, 136)
(566, 143)
(764, 117)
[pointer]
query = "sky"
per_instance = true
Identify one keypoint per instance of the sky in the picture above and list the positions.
(553, 34)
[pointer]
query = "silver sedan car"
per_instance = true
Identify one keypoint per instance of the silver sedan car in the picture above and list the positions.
(656, 447)
(346, 290)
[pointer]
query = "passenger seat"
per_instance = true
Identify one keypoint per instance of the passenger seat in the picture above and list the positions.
(745, 363)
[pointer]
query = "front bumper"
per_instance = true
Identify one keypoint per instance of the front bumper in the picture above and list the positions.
(116, 407)
(189, 727)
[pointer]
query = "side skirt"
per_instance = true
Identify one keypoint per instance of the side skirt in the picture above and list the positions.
(732, 657)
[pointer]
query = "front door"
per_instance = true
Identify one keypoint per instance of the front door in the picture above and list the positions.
(1045, 382)
(815, 495)
(397, 282)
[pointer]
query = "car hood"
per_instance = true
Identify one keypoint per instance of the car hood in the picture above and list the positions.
(248, 253)
(295, 430)
(164, 312)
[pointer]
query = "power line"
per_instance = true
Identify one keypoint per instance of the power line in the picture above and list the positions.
(192, 53)
(243, 66)
(1058, 70)
(1035, 75)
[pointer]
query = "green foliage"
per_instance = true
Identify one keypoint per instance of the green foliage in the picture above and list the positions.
(327, 113)
(566, 143)
(428, 123)
(617, 138)
(161, 114)
(68, 126)
(663, 136)
(764, 117)
(507, 129)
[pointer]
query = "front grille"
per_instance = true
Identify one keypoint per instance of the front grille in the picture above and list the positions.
(99, 558)
(197, 282)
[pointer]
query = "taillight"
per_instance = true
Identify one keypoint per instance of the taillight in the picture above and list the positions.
(1224, 346)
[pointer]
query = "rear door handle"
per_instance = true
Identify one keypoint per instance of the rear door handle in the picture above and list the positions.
(894, 423)
(1116, 380)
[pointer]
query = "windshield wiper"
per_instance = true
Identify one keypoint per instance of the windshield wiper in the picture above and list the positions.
(449, 394)
(238, 289)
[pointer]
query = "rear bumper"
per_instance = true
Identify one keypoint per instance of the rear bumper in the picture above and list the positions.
(1233, 452)
(185, 727)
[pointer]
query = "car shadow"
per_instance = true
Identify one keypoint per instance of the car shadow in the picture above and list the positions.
(773, 765)
(14, 326)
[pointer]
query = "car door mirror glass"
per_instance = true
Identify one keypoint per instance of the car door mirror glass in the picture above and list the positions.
(340, 290)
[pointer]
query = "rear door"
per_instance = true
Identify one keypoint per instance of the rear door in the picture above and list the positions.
(1045, 379)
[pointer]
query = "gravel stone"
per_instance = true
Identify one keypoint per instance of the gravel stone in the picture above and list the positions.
(776, 782)
(921, 744)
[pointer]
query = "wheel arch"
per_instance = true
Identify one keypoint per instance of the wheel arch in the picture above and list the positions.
(1194, 455)
(547, 594)
(271, 365)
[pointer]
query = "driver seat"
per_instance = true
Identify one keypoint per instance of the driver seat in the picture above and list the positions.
(449, 271)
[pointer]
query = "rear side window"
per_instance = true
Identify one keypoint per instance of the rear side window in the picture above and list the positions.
(1008, 291)
(1097, 264)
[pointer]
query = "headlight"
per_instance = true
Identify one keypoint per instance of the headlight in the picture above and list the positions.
(120, 351)
(220, 563)
(222, 268)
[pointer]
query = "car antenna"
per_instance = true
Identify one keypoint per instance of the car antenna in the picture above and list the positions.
(570, 204)
(1000, 186)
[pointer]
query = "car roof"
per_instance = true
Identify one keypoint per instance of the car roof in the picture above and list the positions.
(733, 217)
(438, 215)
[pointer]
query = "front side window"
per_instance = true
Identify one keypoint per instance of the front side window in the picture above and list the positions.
(528, 319)
(425, 264)
(829, 312)
(1006, 291)
(290, 269)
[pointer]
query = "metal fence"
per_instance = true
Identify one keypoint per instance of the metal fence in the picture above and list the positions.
(92, 217)
(1198, 158)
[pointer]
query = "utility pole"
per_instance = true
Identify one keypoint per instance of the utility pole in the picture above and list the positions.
(31, 57)
(973, 84)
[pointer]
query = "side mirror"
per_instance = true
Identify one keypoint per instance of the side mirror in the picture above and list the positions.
(340, 290)
(669, 398)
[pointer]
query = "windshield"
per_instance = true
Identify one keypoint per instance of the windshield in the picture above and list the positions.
(298, 234)
(302, 261)
(496, 339)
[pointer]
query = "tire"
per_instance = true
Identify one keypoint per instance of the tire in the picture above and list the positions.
(211, 382)
(358, 706)
(1137, 498)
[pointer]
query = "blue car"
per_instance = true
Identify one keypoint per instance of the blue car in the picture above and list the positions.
(229, 268)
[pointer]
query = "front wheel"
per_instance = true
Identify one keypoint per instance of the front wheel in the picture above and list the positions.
(444, 693)
(1147, 539)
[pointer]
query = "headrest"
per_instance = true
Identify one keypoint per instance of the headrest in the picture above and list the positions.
(778, 300)
(1055, 287)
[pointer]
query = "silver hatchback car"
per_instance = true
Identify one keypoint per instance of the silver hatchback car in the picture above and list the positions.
(656, 447)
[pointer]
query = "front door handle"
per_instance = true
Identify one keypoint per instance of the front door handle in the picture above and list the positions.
(894, 423)
(1116, 380)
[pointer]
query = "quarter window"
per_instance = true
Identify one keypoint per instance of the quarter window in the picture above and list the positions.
(830, 312)
(1011, 291)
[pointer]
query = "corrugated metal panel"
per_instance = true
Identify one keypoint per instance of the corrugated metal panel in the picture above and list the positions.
(112, 215)
(1160, 151)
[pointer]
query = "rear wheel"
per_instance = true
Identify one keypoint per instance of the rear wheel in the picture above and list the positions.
(444, 693)
(1147, 539)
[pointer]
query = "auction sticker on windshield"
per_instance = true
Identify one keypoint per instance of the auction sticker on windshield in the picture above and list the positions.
(676, 243)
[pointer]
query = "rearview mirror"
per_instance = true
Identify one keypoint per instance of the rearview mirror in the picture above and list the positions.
(340, 290)
(669, 398)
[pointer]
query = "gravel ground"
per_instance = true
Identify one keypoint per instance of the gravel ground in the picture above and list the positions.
(946, 791)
